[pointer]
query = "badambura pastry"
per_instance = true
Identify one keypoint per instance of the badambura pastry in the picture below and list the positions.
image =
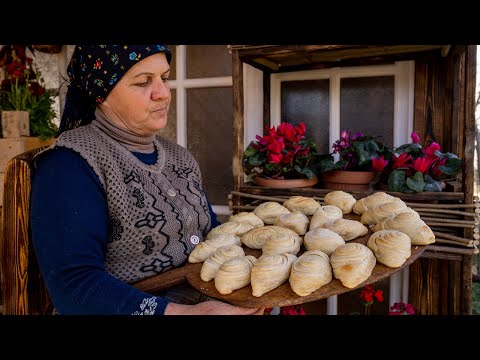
(352, 264)
(348, 229)
(340, 199)
(270, 271)
(248, 218)
(220, 255)
(322, 239)
(255, 238)
(282, 243)
(310, 272)
(324, 215)
(234, 274)
(233, 228)
(391, 247)
(376, 199)
(295, 221)
(269, 211)
(305, 205)
(378, 213)
(206, 248)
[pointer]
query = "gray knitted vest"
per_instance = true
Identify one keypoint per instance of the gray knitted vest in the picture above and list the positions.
(157, 213)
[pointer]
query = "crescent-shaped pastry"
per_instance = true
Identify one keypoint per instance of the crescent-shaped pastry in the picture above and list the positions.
(234, 274)
(269, 211)
(341, 199)
(270, 271)
(348, 229)
(305, 205)
(206, 248)
(281, 244)
(220, 255)
(233, 228)
(391, 247)
(352, 264)
(295, 221)
(324, 240)
(378, 213)
(248, 218)
(310, 272)
(376, 199)
(409, 223)
(255, 238)
(324, 215)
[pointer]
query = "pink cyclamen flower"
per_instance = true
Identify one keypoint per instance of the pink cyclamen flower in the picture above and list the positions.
(415, 137)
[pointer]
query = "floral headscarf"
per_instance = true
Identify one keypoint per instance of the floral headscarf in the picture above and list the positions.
(93, 72)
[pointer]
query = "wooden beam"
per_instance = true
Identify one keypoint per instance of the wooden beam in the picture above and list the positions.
(238, 120)
(445, 50)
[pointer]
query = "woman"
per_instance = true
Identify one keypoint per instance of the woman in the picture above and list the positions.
(112, 202)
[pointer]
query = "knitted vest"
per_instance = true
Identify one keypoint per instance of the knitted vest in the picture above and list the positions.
(157, 213)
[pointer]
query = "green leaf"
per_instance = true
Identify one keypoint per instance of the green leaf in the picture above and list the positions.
(396, 180)
(431, 184)
(415, 182)
(249, 151)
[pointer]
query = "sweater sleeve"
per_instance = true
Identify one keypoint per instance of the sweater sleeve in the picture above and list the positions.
(69, 222)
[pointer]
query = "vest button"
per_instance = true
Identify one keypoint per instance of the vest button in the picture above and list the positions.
(171, 192)
(194, 239)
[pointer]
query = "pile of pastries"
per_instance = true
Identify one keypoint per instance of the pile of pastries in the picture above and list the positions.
(321, 234)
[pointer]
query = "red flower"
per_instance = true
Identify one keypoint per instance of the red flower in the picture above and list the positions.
(401, 308)
(415, 137)
(379, 164)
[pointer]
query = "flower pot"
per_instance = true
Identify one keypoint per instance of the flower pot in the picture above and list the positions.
(285, 184)
(348, 180)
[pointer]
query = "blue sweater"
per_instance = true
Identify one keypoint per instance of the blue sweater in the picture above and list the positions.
(69, 222)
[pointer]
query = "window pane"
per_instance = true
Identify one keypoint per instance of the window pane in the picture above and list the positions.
(209, 137)
(208, 61)
(308, 101)
(366, 105)
(170, 131)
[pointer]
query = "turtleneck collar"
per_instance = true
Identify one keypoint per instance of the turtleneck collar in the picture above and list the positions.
(132, 141)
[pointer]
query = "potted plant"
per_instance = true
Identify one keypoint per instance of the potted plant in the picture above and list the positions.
(361, 157)
(417, 168)
(22, 89)
(284, 157)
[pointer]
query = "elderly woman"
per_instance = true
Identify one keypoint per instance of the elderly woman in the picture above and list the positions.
(112, 202)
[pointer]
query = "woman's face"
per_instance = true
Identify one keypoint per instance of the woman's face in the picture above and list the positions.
(140, 100)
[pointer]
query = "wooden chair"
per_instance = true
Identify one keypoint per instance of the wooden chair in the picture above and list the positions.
(22, 286)
(23, 289)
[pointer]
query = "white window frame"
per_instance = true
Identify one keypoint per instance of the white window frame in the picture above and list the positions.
(404, 77)
(181, 84)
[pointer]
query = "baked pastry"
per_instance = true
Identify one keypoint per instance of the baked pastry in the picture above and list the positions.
(348, 229)
(376, 199)
(206, 248)
(247, 217)
(281, 244)
(233, 228)
(352, 264)
(324, 215)
(322, 239)
(378, 213)
(269, 211)
(255, 238)
(408, 222)
(234, 274)
(219, 256)
(305, 205)
(310, 272)
(295, 221)
(270, 271)
(391, 247)
(341, 199)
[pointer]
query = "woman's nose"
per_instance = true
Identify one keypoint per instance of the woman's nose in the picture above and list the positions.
(161, 90)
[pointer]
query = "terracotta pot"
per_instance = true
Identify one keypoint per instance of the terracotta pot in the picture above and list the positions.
(284, 184)
(348, 180)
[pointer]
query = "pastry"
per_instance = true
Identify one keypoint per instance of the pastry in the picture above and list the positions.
(324, 240)
(341, 199)
(255, 238)
(233, 228)
(378, 213)
(247, 218)
(391, 247)
(282, 243)
(305, 205)
(408, 222)
(220, 255)
(295, 221)
(325, 214)
(269, 211)
(234, 274)
(376, 199)
(270, 271)
(347, 229)
(206, 248)
(310, 272)
(352, 264)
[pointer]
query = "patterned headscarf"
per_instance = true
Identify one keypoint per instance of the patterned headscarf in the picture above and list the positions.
(93, 72)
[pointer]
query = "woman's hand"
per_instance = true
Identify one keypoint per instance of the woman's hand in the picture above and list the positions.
(211, 308)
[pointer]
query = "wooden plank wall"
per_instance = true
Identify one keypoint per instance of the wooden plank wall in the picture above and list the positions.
(444, 112)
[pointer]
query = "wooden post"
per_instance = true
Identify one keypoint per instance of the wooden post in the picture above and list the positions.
(238, 120)
(15, 124)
